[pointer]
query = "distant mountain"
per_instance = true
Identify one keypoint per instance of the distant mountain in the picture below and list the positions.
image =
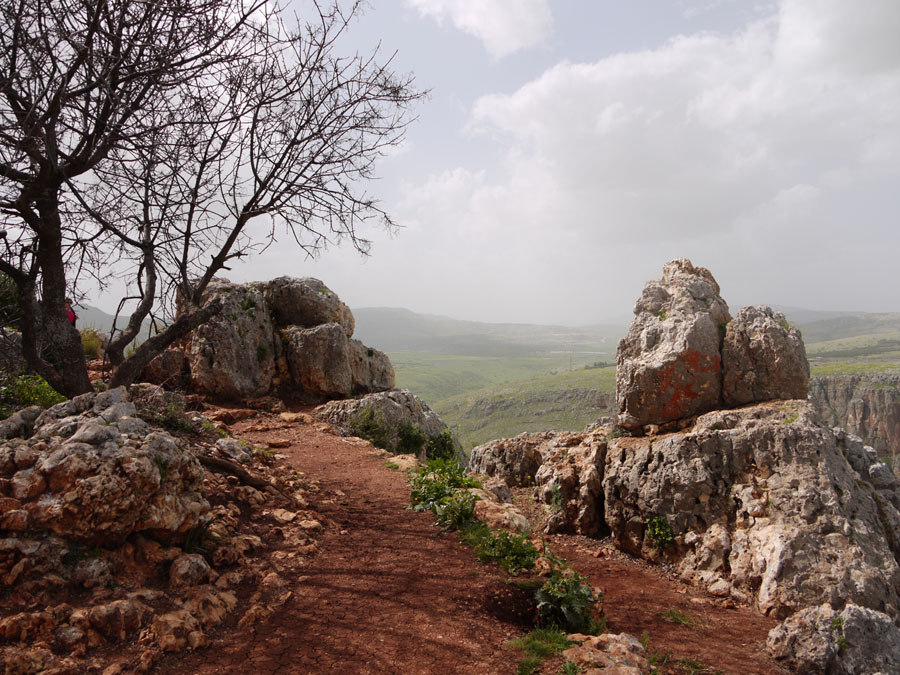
(847, 326)
(401, 330)
(91, 317)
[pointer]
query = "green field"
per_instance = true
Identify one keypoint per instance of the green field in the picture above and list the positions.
(483, 398)
(487, 397)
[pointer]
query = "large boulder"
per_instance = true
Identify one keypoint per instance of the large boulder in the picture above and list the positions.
(763, 358)
(232, 355)
(93, 472)
(319, 360)
(306, 302)
(853, 641)
(669, 363)
(388, 409)
(570, 480)
(515, 461)
(370, 370)
(763, 503)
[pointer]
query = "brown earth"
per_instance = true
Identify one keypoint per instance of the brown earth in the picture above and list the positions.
(390, 593)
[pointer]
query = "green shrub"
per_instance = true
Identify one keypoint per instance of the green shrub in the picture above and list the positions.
(93, 343)
(441, 446)
(369, 425)
(20, 391)
(660, 533)
(410, 439)
(456, 511)
(169, 413)
(564, 602)
(513, 552)
(437, 481)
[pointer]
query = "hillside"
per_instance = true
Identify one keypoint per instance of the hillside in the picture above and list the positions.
(495, 380)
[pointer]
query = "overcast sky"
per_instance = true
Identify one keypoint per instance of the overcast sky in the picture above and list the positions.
(571, 147)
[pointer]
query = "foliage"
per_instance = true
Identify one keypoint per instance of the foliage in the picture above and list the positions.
(565, 601)
(513, 553)
(436, 482)
(168, 412)
(538, 645)
(21, 391)
(92, 341)
(441, 446)
(369, 425)
(456, 511)
(410, 439)
(570, 668)
(675, 616)
(660, 532)
(618, 432)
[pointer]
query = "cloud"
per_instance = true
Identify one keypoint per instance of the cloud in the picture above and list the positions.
(504, 26)
(750, 150)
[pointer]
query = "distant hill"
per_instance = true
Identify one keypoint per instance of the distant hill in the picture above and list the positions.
(400, 330)
(91, 317)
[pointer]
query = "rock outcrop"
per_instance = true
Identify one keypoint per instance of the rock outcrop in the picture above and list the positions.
(683, 355)
(865, 405)
(763, 359)
(283, 337)
(389, 411)
(93, 472)
(764, 503)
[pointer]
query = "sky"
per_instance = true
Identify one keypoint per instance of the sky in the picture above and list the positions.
(569, 148)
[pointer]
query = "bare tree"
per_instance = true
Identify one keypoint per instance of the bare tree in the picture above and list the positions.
(154, 133)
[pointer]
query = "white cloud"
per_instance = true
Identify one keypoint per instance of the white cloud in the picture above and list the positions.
(752, 151)
(504, 26)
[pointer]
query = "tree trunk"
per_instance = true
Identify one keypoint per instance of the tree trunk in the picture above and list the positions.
(131, 368)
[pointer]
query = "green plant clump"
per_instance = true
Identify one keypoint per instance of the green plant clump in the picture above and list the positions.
(441, 446)
(436, 482)
(410, 439)
(169, 413)
(21, 391)
(538, 645)
(565, 601)
(512, 552)
(455, 511)
(92, 342)
(369, 425)
(660, 532)
(674, 616)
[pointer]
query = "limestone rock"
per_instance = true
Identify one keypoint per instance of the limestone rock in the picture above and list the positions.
(232, 355)
(621, 653)
(319, 360)
(570, 481)
(854, 641)
(865, 405)
(513, 460)
(391, 407)
(189, 569)
(498, 515)
(99, 475)
(370, 370)
(306, 302)
(763, 358)
(170, 369)
(669, 363)
(764, 497)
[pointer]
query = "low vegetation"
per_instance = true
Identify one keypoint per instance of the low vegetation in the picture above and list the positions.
(370, 425)
(21, 391)
(536, 646)
(564, 600)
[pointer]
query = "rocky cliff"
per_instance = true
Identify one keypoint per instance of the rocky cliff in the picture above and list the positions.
(865, 405)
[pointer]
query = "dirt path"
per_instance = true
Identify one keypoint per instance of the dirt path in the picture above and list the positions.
(390, 593)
